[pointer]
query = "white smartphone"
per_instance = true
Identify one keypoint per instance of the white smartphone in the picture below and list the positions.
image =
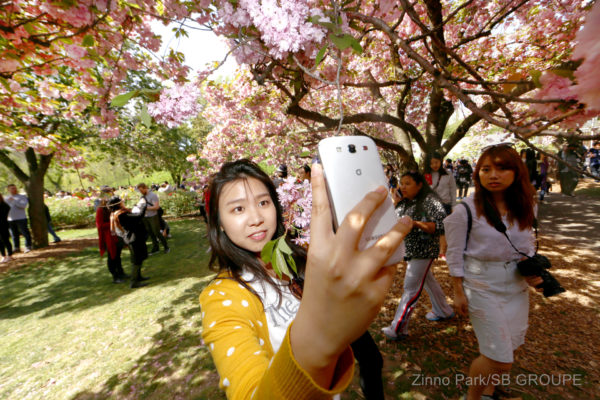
(352, 168)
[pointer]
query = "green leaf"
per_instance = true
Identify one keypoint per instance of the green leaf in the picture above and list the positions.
(535, 77)
(320, 55)
(160, 7)
(280, 267)
(122, 99)
(355, 45)
(305, 154)
(565, 73)
(342, 42)
(88, 41)
(267, 252)
(283, 246)
(292, 264)
(4, 83)
(145, 117)
(30, 28)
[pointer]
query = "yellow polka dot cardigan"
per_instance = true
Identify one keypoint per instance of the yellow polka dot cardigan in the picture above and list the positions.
(234, 327)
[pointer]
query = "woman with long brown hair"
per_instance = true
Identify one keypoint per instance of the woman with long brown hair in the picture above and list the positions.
(483, 264)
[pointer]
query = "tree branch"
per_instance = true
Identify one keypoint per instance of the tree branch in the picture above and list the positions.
(14, 168)
(295, 109)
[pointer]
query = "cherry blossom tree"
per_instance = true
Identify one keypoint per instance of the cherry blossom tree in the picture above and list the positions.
(394, 70)
(61, 64)
(398, 70)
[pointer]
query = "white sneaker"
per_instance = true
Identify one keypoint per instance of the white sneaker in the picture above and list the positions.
(4, 259)
(27, 250)
(389, 333)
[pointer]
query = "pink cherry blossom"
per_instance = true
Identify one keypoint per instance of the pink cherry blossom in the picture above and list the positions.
(588, 79)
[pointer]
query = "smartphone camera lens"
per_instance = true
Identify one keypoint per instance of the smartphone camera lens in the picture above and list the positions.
(352, 148)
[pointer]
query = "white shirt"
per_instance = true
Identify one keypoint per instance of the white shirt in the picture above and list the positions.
(445, 187)
(279, 316)
(485, 242)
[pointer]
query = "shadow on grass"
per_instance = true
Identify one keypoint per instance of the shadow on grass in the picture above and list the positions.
(82, 280)
(177, 365)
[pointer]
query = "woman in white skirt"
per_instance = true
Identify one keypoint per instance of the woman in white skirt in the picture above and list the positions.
(483, 265)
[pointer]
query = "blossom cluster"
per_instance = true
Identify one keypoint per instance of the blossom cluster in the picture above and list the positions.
(176, 104)
(296, 201)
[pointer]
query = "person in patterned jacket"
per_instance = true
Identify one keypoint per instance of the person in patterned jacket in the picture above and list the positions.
(422, 205)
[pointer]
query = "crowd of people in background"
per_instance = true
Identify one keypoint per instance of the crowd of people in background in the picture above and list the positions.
(239, 206)
(500, 188)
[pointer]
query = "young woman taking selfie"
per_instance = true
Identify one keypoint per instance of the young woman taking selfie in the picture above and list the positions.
(483, 263)
(274, 337)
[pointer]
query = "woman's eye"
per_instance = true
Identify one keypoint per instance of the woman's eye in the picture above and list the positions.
(264, 203)
(238, 209)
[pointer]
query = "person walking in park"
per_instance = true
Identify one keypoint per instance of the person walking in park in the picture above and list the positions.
(130, 227)
(49, 225)
(422, 205)
(444, 185)
(108, 241)
(483, 264)
(5, 246)
(594, 154)
(304, 173)
(544, 168)
(567, 177)
(152, 219)
(281, 173)
(464, 173)
(17, 218)
(289, 335)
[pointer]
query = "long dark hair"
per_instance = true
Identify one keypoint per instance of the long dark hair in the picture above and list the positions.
(436, 156)
(225, 253)
(425, 190)
(519, 196)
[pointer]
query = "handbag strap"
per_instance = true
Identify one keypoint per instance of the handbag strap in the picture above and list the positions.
(469, 221)
(500, 227)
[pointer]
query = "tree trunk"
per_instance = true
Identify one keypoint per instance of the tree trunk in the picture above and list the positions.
(34, 187)
(37, 217)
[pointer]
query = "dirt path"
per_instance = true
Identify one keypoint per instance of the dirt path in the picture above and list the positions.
(573, 221)
(563, 334)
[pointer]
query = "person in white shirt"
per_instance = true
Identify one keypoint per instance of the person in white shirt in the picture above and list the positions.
(17, 218)
(152, 219)
(483, 264)
(444, 185)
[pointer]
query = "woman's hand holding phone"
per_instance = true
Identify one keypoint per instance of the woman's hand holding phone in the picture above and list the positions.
(344, 288)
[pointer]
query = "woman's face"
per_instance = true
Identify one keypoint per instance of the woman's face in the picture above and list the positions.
(494, 177)
(435, 164)
(409, 188)
(247, 213)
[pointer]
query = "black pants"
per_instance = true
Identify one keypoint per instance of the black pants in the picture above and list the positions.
(16, 227)
(370, 364)
(463, 189)
(115, 266)
(5, 242)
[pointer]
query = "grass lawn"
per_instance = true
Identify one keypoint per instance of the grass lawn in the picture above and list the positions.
(68, 332)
